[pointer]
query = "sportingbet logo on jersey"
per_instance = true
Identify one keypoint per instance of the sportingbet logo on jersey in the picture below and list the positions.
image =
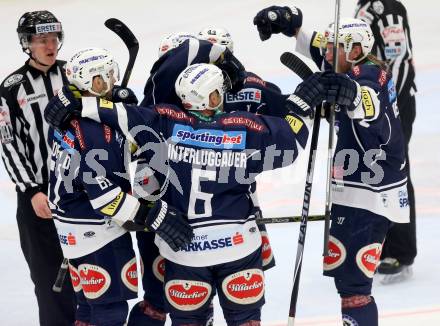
(209, 138)
(245, 95)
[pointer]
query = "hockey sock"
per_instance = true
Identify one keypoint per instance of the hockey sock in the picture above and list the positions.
(144, 313)
(359, 310)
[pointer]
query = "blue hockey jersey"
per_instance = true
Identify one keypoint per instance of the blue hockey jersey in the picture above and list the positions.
(208, 168)
(89, 187)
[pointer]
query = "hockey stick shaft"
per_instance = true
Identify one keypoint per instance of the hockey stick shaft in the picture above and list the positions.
(130, 41)
(289, 219)
(296, 64)
(328, 191)
(61, 276)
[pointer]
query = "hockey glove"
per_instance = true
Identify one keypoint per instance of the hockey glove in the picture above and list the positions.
(124, 95)
(340, 89)
(307, 95)
(233, 68)
(275, 19)
(167, 222)
(63, 107)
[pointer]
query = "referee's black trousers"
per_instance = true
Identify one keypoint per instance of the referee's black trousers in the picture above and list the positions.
(42, 251)
(400, 242)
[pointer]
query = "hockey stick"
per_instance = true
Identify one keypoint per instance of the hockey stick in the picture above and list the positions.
(328, 192)
(289, 219)
(294, 63)
(59, 281)
(130, 41)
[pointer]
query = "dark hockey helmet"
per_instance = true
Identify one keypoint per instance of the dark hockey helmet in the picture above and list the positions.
(38, 22)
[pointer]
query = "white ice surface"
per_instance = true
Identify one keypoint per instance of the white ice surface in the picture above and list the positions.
(416, 302)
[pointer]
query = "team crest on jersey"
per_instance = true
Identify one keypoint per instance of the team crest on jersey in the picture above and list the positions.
(159, 268)
(266, 249)
(367, 258)
(209, 138)
(74, 277)
(187, 295)
(95, 280)
(244, 95)
(12, 80)
(129, 275)
(245, 287)
(336, 254)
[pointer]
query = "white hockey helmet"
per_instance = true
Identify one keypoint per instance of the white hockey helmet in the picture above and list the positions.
(197, 82)
(172, 41)
(89, 63)
(352, 31)
(217, 35)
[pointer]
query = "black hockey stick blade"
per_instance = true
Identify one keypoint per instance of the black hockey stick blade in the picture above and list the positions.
(130, 41)
(59, 281)
(296, 64)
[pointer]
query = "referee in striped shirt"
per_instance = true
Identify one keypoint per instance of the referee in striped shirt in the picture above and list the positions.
(389, 23)
(26, 140)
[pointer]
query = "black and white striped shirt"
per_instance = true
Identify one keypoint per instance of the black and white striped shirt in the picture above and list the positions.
(24, 133)
(389, 22)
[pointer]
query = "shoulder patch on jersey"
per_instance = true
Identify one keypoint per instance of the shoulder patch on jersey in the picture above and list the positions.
(244, 287)
(187, 295)
(129, 275)
(367, 104)
(295, 123)
(12, 80)
(367, 258)
(174, 114)
(106, 104)
(243, 121)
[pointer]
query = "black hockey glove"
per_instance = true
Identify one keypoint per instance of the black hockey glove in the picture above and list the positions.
(124, 95)
(167, 222)
(307, 95)
(276, 19)
(340, 89)
(63, 107)
(230, 65)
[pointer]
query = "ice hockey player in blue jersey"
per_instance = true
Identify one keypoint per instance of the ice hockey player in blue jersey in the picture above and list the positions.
(91, 203)
(369, 184)
(176, 52)
(209, 158)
